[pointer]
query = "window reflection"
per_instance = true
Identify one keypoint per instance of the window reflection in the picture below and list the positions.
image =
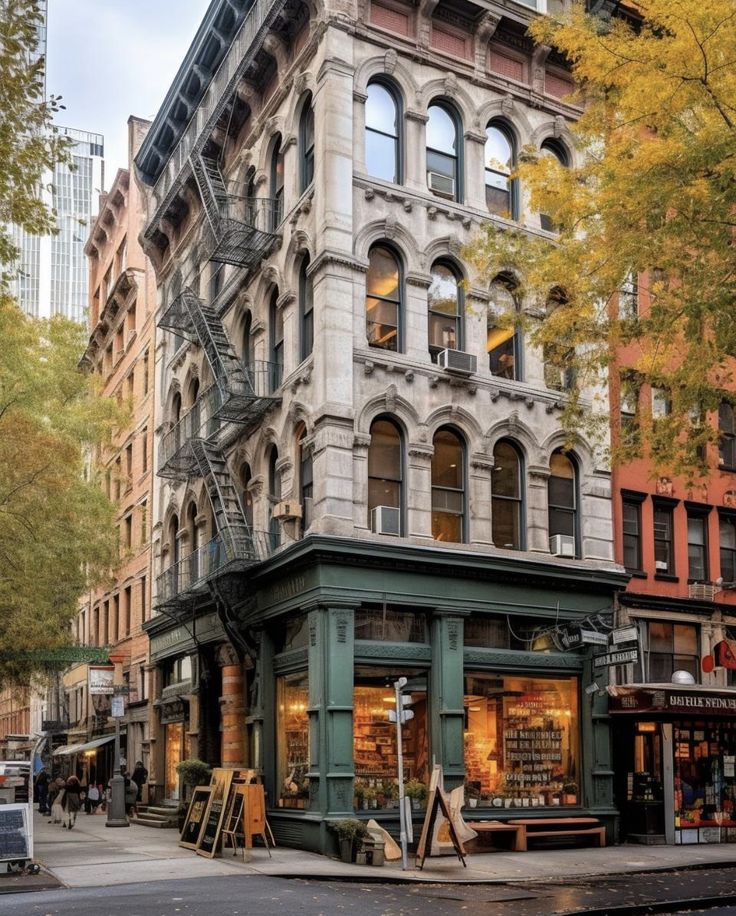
(384, 465)
(442, 151)
(499, 161)
(562, 496)
(445, 311)
(292, 741)
(448, 487)
(382, 299)
(503, 335)
(555, 151)
(506, 500)
(381, 133)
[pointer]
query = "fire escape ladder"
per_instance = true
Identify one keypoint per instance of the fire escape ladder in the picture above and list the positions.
(212, 189)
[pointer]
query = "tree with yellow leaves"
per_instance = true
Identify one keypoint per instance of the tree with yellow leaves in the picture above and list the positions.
(649, 206)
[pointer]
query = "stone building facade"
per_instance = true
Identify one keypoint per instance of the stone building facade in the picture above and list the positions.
(361, 466)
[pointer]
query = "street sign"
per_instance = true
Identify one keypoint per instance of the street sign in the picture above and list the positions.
(121, 690)
(118, 707)
(594, 638)
(616, 658)
(624, 634)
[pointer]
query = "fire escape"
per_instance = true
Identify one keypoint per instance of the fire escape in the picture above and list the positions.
(240, 232)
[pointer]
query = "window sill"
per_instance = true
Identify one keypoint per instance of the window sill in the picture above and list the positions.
(666, 577)
(637, 573)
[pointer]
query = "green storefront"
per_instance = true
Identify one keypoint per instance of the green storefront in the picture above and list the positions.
(330, 623)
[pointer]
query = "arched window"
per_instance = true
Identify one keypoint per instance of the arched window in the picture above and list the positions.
(193, 534)
(216, 281)
(507, 504)
(445, 304)
(245, 479)
(274, 497)
(727, 434)
(448, 487)
(383, 299)
(306, 310)
(500, 159)
(382, 137)
(276, 182)
(553, 150)
(306, 490)
(306, 145)
(385, 477)
(443, 152)
(504, 343)
(562, 499)
(175, 408)
(276, 324)
(248, 347)
(559, 362)
(194, 407)
(174, 543)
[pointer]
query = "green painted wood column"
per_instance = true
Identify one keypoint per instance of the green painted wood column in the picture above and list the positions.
(446, 689)
(263, 714)
(331, 660)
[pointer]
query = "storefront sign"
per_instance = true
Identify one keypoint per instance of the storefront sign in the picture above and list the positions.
(569, 636)
(594, 638)
(692, 703)
(100, 680)
(623, 635)
(616, 658)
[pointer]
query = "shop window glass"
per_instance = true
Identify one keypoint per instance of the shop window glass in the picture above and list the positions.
(506, 496)
(632, 534)
(293, 634)
(177, 670)
(664, 557)
(499, 163)
(727, 531)
(525, 634)
(697, 547)
(382, 133)
(562, 497)
(705, 787)
(503, 336)
(522, 741)
(727, 433)
(292, 740)
(444, 299)
(374, 737)
(672, 647)
(383, 299)
(448, 487)
(390, 626)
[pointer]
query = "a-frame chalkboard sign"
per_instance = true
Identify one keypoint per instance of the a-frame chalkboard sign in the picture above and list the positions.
(438, 827)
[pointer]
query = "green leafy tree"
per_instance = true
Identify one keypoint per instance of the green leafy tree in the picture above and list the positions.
(30, 146)
(651, 195)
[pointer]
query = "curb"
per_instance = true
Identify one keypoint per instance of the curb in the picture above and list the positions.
(658, 906)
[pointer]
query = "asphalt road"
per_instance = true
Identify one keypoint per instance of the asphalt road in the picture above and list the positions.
(254, 895)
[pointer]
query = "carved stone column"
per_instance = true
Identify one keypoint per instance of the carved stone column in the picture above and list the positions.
(537, 522)
(479, 498)
(418, 486)
(232, 708)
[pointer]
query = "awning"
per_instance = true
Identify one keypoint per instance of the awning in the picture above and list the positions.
(70, 749)
(671, 699)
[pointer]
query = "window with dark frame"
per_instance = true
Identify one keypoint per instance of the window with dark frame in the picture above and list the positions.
(306, 310)
(442, 152)
(448, 487)
(503, 335)
(500, 159)
(383, 299)
(507, 505)
(632, 534)
(382, 124)
(697, 546)
(727, 539)
(672, 647)
(552, 150)
(664, 557)
(562, 497)
(444, 299)
(306, 137)
(727, 436)
(385, 465)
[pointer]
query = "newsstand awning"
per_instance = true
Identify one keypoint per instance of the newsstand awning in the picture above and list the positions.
(70, 749)
(663, 699)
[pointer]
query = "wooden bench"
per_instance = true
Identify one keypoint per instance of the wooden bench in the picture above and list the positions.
(488, 828)
(562, 827)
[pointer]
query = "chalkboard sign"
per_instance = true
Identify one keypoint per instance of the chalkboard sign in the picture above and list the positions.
(209, 837)
(195, 820)
(15, 833)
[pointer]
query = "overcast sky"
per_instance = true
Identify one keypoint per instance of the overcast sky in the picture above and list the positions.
(113, 58)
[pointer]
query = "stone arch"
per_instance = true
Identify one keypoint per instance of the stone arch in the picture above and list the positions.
(300, 244)
(511, 427)
(581, 451)
(511, 116)
(460, 419)
(385, 66)
(448, 249)
(392, 404)
(449, 90)
(389, 230)
(555, 129)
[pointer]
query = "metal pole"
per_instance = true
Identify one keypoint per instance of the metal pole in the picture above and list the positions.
(116, 816)
(400, 761)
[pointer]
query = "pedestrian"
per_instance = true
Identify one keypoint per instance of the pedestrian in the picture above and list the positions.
(93, 799)
(140, 778)
(42, 791)
(131, 794)
(56, 797)
(72, 801)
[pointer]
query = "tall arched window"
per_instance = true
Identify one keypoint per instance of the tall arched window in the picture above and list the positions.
(175, 408)
(553, 150)
(503, 334)
(559, 362)
(276, 325)
(562, 498)
(500, 159)
(306, 310)
(383, 299)
(193, 534)
(385, 477)
(174, 543)
(306, 477)
(448, 487)
(306, 145)
(194, 407)
(727, 436)
(245, 479)
(507, 503)
(274, 497)
(276, 182)
(443, 152)
(382, 137)
(444, 300)
(248, 347)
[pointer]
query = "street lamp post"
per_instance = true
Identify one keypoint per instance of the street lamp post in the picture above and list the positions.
(116, 816)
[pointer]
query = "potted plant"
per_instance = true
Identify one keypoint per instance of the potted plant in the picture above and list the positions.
(348, 830)
(192, 772)
(390, 792)
(416, 791)
(569, 793)
(472, 792)
(370, 797)
(358, 792)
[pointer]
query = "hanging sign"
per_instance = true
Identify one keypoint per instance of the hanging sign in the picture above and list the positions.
(569, 636)
(100, 680)
(594, 638)
(622, 635)
(609, 659)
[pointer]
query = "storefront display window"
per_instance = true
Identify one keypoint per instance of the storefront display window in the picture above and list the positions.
(375, 753)
(292, 740)
(522, 741)
(390, 626)
(705, 782)
(486, 631)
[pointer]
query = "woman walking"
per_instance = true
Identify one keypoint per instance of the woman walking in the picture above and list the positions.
(72, 801)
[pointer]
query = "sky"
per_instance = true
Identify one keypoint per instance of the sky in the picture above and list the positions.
(110, 59)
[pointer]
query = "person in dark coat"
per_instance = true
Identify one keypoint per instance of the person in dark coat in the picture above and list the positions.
(140, 778)
(42, 791)
(72, 801)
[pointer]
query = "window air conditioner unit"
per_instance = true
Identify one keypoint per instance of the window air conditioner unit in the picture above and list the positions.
(562, 545)
(660, 565)
(702, 591)
(457, 361)
(287, 510)
(441, 184)
(386, 520)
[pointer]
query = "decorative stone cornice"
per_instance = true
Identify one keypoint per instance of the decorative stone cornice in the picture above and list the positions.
(340, 259)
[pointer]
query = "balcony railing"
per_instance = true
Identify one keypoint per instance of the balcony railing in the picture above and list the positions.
(245, 231)
(221, 89)
(188, 577)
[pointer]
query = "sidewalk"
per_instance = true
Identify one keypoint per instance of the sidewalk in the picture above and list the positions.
(93, 855)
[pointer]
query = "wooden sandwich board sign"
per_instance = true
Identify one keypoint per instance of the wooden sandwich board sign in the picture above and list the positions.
(438, 828)
(248, 819)
(195, 819)
(210, 837)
